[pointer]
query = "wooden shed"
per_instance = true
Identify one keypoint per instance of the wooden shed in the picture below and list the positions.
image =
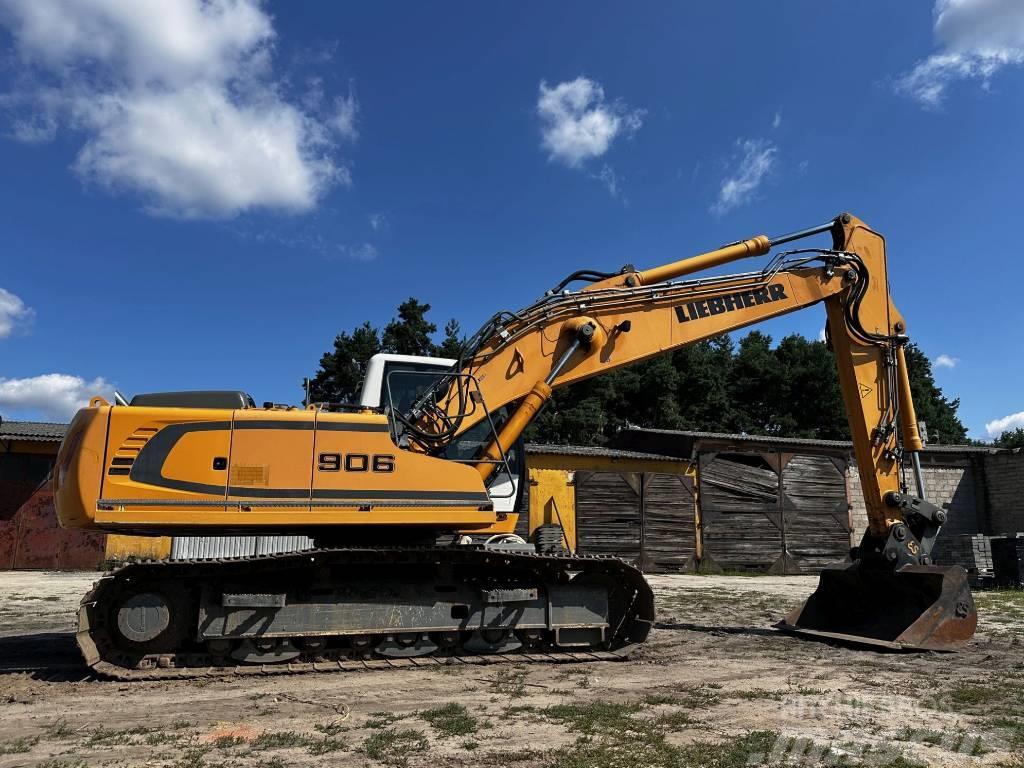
(776, 505)
(637, 505)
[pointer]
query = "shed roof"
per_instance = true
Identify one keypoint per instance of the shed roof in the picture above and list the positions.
(679, 441)
(595, 451)
(40, 431)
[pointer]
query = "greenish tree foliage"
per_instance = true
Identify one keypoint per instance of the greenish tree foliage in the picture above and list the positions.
(788, 390)
(451, 344)
(1014, 439)
(410, 333)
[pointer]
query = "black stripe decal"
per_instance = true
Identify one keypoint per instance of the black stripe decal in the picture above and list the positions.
(325, 426)
(272, 424)
(302, 493)
(351, 426)
(404, 495)
(149, 464)
(269, 493)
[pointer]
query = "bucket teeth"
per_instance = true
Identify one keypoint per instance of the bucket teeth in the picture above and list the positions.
(916, 607)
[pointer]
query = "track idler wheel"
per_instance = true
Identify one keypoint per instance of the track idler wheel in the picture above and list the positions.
(149, 619)
(920, 607)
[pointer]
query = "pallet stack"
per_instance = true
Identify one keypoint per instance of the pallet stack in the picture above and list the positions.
(972, 552)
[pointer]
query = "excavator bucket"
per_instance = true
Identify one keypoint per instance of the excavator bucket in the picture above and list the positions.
(920, 607)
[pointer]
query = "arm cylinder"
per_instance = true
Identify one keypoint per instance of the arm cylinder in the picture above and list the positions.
(908, 422)
(908, 416)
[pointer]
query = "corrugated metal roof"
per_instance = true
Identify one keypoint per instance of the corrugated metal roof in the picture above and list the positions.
(791, 441)
(594, 451)
(32, 430)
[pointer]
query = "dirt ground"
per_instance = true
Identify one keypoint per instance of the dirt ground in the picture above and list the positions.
(715, 686)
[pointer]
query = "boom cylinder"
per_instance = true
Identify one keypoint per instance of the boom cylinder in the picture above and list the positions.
(755, 246)
(528, 409)
(513, 428)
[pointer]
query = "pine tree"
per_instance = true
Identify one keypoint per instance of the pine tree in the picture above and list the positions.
(341, 371)
(451, 344)
(410, 332)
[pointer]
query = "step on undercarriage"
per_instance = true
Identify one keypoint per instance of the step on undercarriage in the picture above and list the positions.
(353, 608)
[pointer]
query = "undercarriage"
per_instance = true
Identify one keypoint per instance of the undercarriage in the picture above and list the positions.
(349, 608)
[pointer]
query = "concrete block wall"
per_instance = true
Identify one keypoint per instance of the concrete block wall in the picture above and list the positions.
(955, 490)
(1004, 492)
(951, 487)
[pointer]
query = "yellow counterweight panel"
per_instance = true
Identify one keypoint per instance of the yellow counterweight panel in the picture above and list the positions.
(174, 469)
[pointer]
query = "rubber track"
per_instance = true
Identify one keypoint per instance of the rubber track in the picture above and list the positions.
(91, 642)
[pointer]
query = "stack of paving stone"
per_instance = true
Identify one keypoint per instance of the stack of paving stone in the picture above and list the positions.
(973, 553)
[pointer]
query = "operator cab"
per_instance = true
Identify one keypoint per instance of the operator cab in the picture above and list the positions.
(393, 382)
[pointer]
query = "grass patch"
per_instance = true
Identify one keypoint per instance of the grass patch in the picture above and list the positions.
(281, 740)
(227, 742)
(383, 719)
(18, 746)
(599, 717)
(657, 753)
(450, 720)
(701, 697)
(60, 729)
(1011, 726)
(109, 737)
(314, 745)
(675, 720)
(333, 728)
(756, 694)
(327, 745)
(393, 747)
(193, 757)
(510, 681)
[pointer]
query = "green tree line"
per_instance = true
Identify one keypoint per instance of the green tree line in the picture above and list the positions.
(789, 389)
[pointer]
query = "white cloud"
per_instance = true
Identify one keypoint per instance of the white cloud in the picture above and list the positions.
(777, 120)
(1005, 424)
(577, 124)
(359, 252)
(823, 334)
(12, 312)
(177, 101)
(343, 118)
(610, 179)
(977, 38)
(755, 160)
(378, 221)
(55, 396)
(946, 361)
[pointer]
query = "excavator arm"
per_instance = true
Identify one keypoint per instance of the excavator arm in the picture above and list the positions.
(892, 594)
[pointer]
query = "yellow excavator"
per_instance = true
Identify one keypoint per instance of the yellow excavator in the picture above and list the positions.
(411, 494)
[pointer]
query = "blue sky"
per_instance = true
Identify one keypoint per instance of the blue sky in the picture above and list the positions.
(201, 195)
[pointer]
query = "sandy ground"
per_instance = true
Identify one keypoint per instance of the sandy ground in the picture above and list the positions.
(715, 686)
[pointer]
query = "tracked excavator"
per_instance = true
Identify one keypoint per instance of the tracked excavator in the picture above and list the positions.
(411, 494)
